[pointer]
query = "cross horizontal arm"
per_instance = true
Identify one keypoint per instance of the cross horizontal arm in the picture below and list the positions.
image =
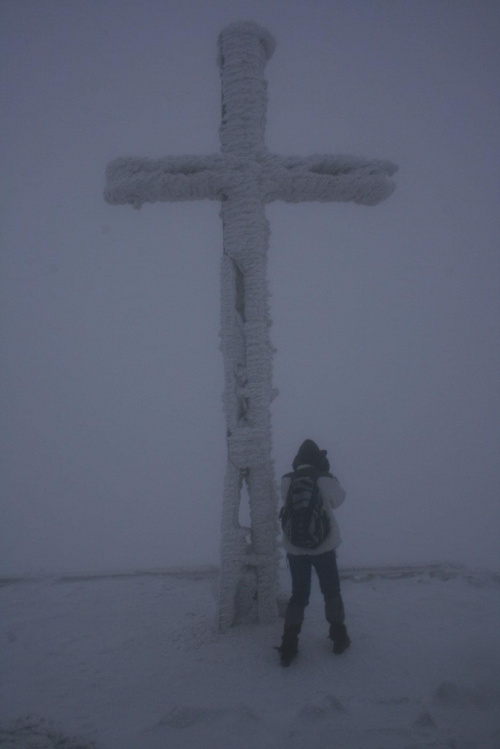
(137, 181)
(328, 178)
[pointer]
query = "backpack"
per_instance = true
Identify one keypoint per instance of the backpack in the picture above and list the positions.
(304, 518)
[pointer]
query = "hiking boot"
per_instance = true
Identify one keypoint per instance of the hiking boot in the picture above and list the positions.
(288, 649)
(341, 640)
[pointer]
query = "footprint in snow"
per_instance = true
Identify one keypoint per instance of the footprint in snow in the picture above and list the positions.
(185, 716)
(323, 706)
(425, 720)
(449, 694)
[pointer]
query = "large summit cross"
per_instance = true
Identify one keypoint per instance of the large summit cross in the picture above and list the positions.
(244, 177)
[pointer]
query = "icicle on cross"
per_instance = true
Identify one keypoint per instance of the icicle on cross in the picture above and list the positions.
(244, 177)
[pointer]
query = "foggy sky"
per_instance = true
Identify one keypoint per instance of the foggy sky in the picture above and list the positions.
(386, 319)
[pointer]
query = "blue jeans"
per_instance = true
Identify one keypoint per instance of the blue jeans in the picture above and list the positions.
(329, 583)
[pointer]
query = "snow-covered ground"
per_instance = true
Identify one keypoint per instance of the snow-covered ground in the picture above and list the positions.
(132, 662)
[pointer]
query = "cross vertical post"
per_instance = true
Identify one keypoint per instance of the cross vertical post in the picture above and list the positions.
(248, 560)
(244, 177)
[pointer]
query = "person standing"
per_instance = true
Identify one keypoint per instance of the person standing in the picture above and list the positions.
(311, 536)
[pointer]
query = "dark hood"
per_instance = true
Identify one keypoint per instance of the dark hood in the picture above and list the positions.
(310, 454)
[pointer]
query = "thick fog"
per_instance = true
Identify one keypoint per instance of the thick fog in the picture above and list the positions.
(386, 319)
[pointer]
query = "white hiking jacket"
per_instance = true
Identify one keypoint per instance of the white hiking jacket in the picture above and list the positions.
(332, 495)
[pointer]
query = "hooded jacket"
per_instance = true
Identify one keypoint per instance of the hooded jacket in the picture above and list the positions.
(312, 458)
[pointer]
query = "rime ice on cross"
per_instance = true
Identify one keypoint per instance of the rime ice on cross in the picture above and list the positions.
(244, 177)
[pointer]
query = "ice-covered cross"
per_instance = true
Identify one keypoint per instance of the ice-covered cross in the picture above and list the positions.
(244, 177)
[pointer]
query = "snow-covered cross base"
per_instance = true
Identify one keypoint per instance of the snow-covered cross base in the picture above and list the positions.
(244, 177)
